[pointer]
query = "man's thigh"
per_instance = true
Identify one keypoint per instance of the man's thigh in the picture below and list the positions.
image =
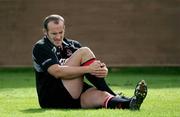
(80, 56)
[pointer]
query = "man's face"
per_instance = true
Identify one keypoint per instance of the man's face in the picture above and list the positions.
(55, 32)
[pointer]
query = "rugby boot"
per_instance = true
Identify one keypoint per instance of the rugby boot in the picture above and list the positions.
(139, 95)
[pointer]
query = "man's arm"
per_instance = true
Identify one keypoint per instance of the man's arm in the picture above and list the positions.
(101, 73)
(67, 72)
(71, 72)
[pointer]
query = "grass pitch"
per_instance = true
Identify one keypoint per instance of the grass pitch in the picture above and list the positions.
(18, 96)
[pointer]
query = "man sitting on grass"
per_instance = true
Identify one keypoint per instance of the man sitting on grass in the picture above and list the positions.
(60, 66)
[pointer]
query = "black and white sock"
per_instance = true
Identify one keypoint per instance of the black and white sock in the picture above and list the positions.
(116, 102)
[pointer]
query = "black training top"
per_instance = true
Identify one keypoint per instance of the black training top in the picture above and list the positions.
(46, 54)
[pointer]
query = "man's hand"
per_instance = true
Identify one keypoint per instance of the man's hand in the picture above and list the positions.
(98, 69)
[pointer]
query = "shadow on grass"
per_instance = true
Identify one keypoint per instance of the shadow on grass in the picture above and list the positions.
(34, 110)
(40, 110)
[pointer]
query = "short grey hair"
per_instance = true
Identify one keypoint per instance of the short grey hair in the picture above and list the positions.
(54, 17)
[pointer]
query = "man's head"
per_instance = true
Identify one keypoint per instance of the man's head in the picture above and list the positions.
(54, 28)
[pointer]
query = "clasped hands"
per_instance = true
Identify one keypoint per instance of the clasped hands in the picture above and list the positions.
(98, 69)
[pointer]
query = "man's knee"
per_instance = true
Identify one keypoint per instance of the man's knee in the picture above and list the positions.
(84, 49)
(104, 95)
(86, 54)
(94, 98)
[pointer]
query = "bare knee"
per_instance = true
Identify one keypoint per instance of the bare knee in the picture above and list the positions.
(80, 56)
(86, 53)
(94, 98)
(84, 50)
(104, 95)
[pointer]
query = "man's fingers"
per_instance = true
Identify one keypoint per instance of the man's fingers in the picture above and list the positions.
(103, 65)
(100, 73)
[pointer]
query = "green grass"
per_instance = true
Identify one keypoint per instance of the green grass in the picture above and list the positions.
(18, 96)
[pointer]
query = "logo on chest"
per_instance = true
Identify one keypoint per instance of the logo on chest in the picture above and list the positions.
(69, 52)
(62, 61)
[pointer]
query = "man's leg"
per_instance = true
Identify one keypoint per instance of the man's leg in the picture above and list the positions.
(84, 56)
(99, 83)
(75, 86)
(93, 98)
(90, 98)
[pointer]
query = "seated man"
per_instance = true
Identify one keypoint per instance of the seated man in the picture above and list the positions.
(60, 66)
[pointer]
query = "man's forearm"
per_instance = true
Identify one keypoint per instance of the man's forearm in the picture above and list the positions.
(68, 72)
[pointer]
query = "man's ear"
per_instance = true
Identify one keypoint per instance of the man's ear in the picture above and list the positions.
(44, 31)
(64, 29)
